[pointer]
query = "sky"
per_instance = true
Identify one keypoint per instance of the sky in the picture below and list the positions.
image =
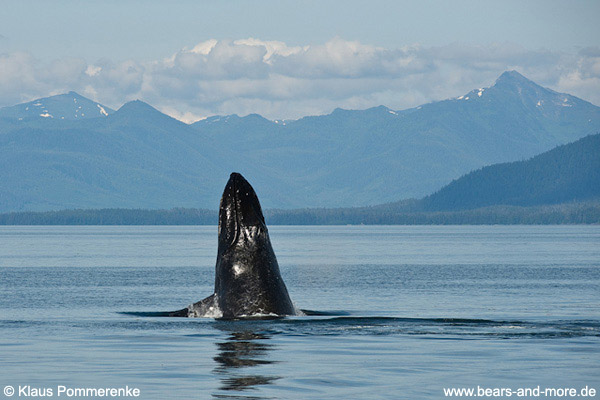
(287, 59)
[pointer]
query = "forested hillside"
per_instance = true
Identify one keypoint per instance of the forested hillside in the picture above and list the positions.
(567, 173)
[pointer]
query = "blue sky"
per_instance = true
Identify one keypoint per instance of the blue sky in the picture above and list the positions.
(285, 59)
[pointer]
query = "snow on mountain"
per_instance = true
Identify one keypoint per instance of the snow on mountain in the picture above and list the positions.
(68, 106)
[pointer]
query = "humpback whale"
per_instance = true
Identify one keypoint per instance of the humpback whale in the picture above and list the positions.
(247, 278)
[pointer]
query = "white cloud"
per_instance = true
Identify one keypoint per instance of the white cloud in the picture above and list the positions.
(585, 79)
(204, 47)
(19, 79)
(280, 81)
(187, 117)
(272, 47)
(92, 70)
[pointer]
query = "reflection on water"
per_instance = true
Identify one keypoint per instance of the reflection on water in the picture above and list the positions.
(243, 349)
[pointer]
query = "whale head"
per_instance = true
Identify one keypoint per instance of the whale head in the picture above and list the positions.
(240, 213)
(247, 277)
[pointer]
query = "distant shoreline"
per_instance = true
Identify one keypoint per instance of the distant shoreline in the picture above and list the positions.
(580, 213)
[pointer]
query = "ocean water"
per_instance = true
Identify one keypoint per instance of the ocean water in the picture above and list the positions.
(415, 310)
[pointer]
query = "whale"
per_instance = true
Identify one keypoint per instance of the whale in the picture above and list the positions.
(248, 282)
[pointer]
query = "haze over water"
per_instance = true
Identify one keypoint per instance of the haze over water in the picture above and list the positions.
(421, 308)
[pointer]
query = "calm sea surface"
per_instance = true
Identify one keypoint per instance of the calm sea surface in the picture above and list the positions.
(419, 309)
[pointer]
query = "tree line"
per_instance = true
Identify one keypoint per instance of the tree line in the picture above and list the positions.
(567, 213)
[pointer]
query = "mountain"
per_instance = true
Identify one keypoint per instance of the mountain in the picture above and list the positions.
(134, 157)
(69, 106)
(568, 173)
(137, 157)
(561, 186)
(354, 158)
